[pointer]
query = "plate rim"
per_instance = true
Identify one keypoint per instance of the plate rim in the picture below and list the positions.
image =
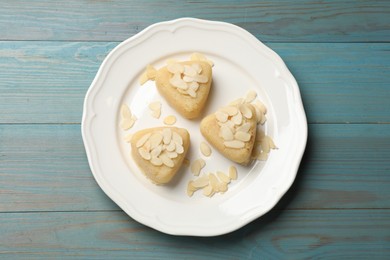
(89, 115)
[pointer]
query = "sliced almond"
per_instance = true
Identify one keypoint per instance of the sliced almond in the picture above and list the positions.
(178, 82)
(242, 136)
(201, 78)
(144, 154)
(155, 140)
(246, 111)
(262, 156)
(170, 120)
(194, 86)
(189, 71)
(156, 114)
(156, 151)
(151, 72)
(205, 149)
(230, 110)
(172, 154)
(228, 124)
(167, 135)
(188, 79)
(263, 119)
(191, 92)
(233, 172)
(177, 138)
(213, 181)
(197, 67)
(201, 182)
(259, 115)
(179, 148)
(190, 190)
(221, 116)
(271, 143)
(156, 161)
(196, 166)
(222, 187)
(170, 61)
(208, 191)
(223, 177)
(250, 96)
(175, 67)
(143, 78)
(244, 127)
(260, 106)
(126, 124)
(125, 112)
(236, 144)
(156, 105)
(237, 102)
(237, 119)
(171, 146)
(166, 160)
(200, 57)
(226, 133)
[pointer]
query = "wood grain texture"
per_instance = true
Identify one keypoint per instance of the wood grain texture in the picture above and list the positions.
(46, 82)
(44, 168)
(276, 21)
(291, 234)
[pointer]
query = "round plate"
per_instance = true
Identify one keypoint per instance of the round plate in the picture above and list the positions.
(242, 63)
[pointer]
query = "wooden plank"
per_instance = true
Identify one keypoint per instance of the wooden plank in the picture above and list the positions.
(44, 168)
(292, 234)
(45, 82)
(276, 21)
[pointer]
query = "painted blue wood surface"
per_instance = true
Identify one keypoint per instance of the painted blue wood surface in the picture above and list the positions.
(338, 207)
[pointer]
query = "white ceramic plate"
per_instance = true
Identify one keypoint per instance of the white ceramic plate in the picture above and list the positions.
(242, 63)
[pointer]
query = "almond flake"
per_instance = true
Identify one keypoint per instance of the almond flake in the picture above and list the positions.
(189, 71)
(196, 166)
(244, 128)
(233, 172)
(263, 119)
(246, 111)
(151, 72)
(172, 154)
(156, 151)
(191, 92)
(144, 154)
(259, 115)
(234, 144)
(166, 160)
(260, 106)
(223, 177)
(226, 133)
(200, 57)
(156, 114)
(237, 119)
(271, 143)
(194, 86)
(201, 182)
(197, 67)
(221, 116)
(178, 82)
(125, 112)
(237, 102)
(154, 106)
(228, 124)
(213, 181)
(177, 138)
(171, 146)
(242, 136)
(170, 120)
(143, 78)
(126, 124)
(167, 135)
(222, 187)
(155, 140)
(208, 191)
(230, 110)
(250, 96)
(205, 149)
(156, 161)
(188, 79)
(170, 61)
(179, 148)
(175, 67)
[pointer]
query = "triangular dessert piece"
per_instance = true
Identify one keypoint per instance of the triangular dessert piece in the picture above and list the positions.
(185, 86)
(159, 152)
(232, 131)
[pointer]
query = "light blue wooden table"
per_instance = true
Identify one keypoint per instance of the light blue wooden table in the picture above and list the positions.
(339, 205)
